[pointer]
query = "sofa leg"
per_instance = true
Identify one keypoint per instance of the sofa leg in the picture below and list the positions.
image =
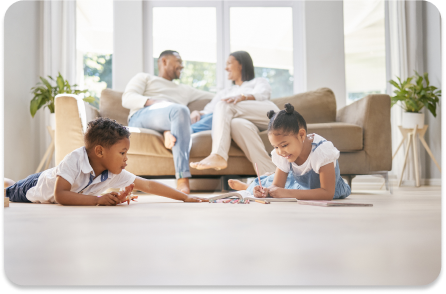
(350, 179)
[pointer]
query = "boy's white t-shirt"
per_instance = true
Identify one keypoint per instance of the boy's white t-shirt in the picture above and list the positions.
(324, 154)
(76, 169)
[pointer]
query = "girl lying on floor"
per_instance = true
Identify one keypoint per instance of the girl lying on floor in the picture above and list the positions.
(307, 165)
(88, 171)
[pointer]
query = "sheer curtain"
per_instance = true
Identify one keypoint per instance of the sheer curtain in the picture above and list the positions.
(58, 48)
(406, 55)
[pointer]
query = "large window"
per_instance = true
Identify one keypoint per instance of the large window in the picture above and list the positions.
(365, 64)
(206, 32)
(266, 33)
(192, 31)
(94, 42)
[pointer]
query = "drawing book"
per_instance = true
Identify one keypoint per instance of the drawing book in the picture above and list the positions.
(243, 195)
(330, 203)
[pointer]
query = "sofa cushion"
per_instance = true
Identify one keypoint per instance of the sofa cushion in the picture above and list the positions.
(110, 105)
(317, 106)
(345, 137)
(198, 104)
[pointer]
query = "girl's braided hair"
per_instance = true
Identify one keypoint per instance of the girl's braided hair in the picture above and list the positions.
(287, 120)
(105, 132)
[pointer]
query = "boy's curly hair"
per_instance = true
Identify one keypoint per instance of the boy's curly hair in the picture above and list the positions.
(287, 120)
(105, 132)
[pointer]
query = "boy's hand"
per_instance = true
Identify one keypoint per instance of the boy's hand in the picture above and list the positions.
(195, 199)
(123, 194)
(109, 199)
(260, 193)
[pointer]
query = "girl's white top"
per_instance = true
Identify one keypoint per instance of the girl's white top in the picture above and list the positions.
(258, 87)
(76, 169)
(323, 155)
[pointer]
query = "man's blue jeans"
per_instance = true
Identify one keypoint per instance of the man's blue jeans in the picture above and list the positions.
(204, 124)
(168, 116)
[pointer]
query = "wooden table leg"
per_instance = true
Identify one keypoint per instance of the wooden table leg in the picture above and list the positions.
(415, 156)
(409, 135)
(421, 137)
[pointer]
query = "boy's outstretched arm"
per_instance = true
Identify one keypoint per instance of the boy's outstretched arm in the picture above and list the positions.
(157, 188)
(64, 196)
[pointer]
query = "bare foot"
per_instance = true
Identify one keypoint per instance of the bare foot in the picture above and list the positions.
(212, 161)
(8, 182)
(237, 185)
(183, 185)
(169, 140)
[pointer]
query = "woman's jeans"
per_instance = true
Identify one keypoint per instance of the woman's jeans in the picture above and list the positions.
(204, 124)
(168, 116)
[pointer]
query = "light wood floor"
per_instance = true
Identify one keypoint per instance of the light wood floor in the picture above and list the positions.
(159, 241)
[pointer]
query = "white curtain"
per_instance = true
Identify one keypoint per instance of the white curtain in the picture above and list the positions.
(58, 47)
(406, 55)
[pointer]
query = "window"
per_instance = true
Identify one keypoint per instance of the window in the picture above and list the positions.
(365, 64)
(192, 31)
(270, 43)
(206, 32)
(94, 44)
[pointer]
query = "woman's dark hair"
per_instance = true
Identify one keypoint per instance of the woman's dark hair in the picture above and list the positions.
(245, 61)
(287, 120)
(105, 132)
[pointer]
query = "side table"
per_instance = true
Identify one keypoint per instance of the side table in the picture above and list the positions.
(48, 153)
(411, 135)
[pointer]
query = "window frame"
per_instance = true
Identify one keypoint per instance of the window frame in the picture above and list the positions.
(223, 30)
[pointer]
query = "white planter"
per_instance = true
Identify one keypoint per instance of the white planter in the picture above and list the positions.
(412, 119)
(53, 121)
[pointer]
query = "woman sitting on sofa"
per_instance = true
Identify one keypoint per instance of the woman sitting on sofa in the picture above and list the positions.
(237, 111)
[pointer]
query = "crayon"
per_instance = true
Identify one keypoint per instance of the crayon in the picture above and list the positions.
(263, 202)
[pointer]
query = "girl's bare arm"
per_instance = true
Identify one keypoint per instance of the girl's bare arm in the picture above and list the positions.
(325, 192)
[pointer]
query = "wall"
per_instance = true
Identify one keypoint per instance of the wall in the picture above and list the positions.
(432, 65)
(127, 42)
(324, 30)
(22, 148)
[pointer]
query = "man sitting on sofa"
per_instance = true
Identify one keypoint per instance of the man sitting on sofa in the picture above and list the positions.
(157, 103)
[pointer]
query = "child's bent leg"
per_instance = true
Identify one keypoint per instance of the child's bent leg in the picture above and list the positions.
(17, 191)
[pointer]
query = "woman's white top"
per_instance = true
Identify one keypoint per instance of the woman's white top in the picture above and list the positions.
(324, 154)
(258, 87)
(76, 169)
(145, 86)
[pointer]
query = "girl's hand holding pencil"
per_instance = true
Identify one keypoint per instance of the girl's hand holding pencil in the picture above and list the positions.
(260, 192)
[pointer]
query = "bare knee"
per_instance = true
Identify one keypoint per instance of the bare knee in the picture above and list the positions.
(8, 182)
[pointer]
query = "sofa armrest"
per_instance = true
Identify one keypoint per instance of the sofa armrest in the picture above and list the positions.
(69, 134)
(372, 113)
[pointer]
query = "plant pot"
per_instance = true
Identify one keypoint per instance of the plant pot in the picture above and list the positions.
(53, 121)
(412, 119)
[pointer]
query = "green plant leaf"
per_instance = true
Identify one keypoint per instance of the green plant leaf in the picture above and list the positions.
(47, 84)
(60, 84)
(89, 99)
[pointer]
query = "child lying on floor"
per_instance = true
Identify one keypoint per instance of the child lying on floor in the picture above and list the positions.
(90, 170)
(307, 165)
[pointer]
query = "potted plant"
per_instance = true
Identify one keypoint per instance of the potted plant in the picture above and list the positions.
(415, 96)
(44, 94)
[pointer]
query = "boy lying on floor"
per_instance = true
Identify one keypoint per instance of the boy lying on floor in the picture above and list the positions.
(90, 170)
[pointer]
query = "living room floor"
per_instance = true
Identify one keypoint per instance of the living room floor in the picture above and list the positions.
(159, 241)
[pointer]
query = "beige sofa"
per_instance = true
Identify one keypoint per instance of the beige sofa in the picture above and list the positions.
(361, 131)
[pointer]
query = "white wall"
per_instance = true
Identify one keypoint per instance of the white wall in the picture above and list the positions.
(324, 30)
(432, 65)
(21, 72)
(127, 42)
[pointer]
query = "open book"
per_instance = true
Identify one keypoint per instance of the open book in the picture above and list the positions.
(243, 195)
